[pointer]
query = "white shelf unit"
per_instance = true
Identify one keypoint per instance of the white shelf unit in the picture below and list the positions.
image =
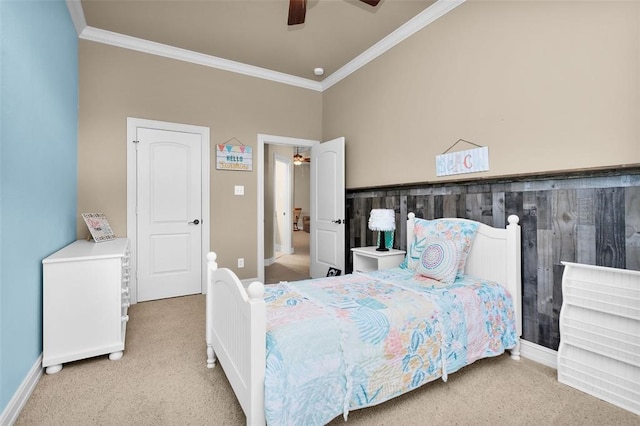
(366, 259)
(599, 349)
(85, 302)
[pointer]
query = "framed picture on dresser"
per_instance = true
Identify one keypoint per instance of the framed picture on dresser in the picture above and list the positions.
(98, 227)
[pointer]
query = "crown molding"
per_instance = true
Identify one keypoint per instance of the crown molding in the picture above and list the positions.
(159, 49)
(426, 17)
(77, 15)
(429, 15)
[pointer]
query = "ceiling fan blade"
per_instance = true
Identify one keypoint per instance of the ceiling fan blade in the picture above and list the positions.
(297, 12)
(373, 3)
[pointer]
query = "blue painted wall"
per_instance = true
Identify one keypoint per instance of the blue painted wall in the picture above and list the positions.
(38, 169)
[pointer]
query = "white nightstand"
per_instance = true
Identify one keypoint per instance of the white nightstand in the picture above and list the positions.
(367, 259)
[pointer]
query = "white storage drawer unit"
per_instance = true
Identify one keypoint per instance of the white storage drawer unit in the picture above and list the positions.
(85, 302)
(599, 349)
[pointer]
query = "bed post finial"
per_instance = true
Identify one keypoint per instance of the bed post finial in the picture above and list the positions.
(255, 290)
(211, 260)
(411, 215)
(513, 219)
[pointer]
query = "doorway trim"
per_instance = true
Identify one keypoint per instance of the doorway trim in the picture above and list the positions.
(275, 140)
(132, 189)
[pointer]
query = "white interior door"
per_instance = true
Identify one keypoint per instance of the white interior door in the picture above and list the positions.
(169, 213)
(283, 212)
(327, 208)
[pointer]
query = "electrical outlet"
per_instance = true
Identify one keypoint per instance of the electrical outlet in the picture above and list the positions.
(241, 262)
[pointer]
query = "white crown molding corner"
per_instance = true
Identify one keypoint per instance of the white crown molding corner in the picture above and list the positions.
(159, 49)
(429, 15)
(16, 404)
(77, 15)
(426, 17)
(539, 354)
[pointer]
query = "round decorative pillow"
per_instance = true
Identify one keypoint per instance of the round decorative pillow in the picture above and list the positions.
(439, 260)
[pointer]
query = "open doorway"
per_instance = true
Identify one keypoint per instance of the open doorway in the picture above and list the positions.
(280, 265)
(287, 201)
(291, 222)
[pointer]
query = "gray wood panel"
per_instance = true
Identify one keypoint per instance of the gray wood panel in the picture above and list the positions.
(564, 214)
(610, 232)
(557, 304)
(632, 227)
(498, 214)
(530, 314)
(585, 228)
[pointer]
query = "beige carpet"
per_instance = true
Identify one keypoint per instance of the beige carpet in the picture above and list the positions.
(290, 267)
(163, 380)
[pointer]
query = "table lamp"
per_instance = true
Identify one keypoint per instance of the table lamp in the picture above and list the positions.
(382, 220)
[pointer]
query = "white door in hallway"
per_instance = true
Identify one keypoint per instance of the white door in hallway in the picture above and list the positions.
(327, 243)
(169, 213)
(283, 223)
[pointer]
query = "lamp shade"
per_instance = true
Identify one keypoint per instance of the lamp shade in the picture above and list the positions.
(382, 220)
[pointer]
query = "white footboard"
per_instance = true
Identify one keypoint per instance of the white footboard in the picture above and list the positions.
(236, 336)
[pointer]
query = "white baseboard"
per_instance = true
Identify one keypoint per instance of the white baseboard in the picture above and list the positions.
(270, 261)
(538, 353)
(282, 249)
(14, 407)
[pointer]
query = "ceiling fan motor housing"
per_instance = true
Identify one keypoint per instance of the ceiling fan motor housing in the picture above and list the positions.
(298, 10)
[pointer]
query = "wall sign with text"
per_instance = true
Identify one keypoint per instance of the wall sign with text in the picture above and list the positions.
(234, 157)
(467, 161)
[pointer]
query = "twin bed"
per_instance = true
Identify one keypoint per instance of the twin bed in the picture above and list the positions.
(306, 352)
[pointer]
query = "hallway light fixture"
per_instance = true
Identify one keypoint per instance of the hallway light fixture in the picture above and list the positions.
(297, 159)
(382, 220)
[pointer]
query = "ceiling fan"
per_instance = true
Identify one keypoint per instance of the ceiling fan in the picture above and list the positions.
(299, 159)
(298, 9)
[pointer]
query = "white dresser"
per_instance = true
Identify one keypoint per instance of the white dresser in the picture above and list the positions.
(85, 302)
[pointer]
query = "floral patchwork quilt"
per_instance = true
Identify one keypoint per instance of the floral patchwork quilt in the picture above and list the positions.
(342, 343)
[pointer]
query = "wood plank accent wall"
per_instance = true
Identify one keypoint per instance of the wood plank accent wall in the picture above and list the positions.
(591, 218)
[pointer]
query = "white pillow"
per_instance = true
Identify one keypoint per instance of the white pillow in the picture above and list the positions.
(439, 260)
(461, 232)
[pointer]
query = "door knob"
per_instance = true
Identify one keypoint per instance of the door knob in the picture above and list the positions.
(339, 221)
(195, 222)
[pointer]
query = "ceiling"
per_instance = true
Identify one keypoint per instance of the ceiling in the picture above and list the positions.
(255, 32)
